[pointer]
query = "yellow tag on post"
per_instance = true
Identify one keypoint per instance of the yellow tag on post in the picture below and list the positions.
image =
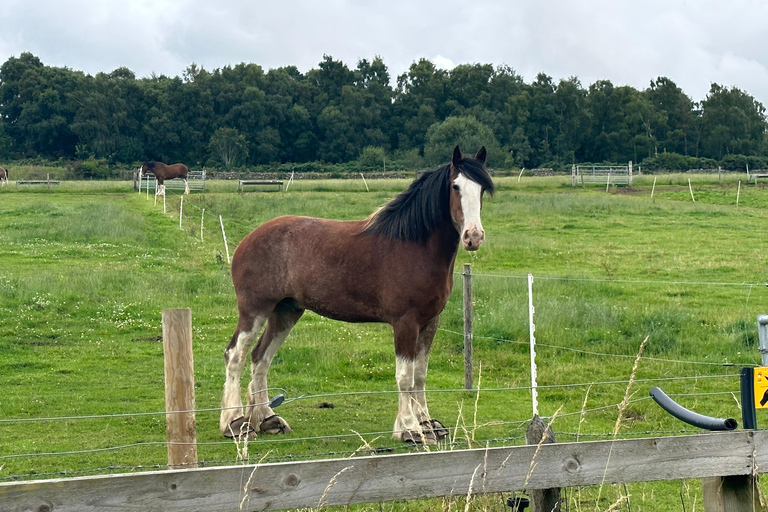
(760, 385)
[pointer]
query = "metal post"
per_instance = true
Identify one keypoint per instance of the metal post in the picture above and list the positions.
(762, 334)
(467, 326)
(748, 415)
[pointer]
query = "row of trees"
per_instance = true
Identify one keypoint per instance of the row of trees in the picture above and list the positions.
(244, 115)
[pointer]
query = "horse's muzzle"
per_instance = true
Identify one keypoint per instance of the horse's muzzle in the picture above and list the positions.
(472, 239)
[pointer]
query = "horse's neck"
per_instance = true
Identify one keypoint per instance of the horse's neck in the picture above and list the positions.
(443, 244)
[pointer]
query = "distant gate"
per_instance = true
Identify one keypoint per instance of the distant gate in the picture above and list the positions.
(195, 180)
(602, 174)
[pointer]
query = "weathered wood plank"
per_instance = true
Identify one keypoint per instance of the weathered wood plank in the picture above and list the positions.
(244, 183)
(398, 477)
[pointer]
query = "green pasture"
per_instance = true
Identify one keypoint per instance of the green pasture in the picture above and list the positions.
(87, 268)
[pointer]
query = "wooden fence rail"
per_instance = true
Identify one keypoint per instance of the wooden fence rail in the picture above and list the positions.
(290, 485)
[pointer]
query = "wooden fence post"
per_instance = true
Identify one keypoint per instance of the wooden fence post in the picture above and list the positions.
(542, 500)
(467, 326)
(737, 493)
(179, 388)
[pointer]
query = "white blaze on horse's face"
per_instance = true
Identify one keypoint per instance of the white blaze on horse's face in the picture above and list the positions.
(471, 232)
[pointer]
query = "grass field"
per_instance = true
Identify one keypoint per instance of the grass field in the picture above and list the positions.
(86, 269)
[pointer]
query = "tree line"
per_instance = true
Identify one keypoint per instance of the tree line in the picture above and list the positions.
(243, 115)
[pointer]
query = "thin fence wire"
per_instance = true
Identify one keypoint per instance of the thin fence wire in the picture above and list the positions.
(516, 424)
(378, 392)
(592, 353)
(615, 280)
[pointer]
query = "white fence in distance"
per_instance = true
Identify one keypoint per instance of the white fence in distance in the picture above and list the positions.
(602, 174)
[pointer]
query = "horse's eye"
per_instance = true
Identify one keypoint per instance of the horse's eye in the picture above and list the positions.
(456, 188)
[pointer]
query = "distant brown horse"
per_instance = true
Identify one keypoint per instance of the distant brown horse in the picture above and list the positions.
(394, 267)
(164, 172)
(3, 176)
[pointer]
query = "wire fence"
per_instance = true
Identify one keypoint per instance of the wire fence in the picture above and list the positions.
(191, 214)
(456, 438)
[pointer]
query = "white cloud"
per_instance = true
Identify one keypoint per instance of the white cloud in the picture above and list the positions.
(692, 42)
(443, 62)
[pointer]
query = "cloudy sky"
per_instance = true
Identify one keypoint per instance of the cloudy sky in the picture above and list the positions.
(693, 42)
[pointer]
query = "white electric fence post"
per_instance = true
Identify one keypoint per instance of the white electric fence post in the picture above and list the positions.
(738, 193)
(691, 190)
(181, 210)
(532, 329)
(364, 182)
(202, 216)
(653, 189)
(224, 235)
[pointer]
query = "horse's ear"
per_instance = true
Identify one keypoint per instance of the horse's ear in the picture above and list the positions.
(456, 155)
(481, 155)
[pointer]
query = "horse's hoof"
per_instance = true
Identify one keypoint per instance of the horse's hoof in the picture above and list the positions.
(435, 427)
(239, 428)
(274, 425)
(418, 437)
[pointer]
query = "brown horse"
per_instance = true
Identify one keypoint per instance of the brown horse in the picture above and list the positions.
(394, 267)
(3, 176)
(164, 172)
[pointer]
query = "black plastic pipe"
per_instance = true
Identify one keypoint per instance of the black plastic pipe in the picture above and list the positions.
(688, 416)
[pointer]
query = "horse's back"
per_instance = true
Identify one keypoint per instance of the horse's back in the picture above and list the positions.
(311, 260)
(292, 239)
(178, 170)
(165, 171)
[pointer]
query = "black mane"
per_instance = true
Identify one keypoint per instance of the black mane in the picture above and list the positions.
(415, 213)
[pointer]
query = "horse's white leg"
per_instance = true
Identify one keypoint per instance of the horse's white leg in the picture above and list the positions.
(406, 419)
(406, 336)
(186, 187)
(235, 356)
(426, 335)
(278, 327)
